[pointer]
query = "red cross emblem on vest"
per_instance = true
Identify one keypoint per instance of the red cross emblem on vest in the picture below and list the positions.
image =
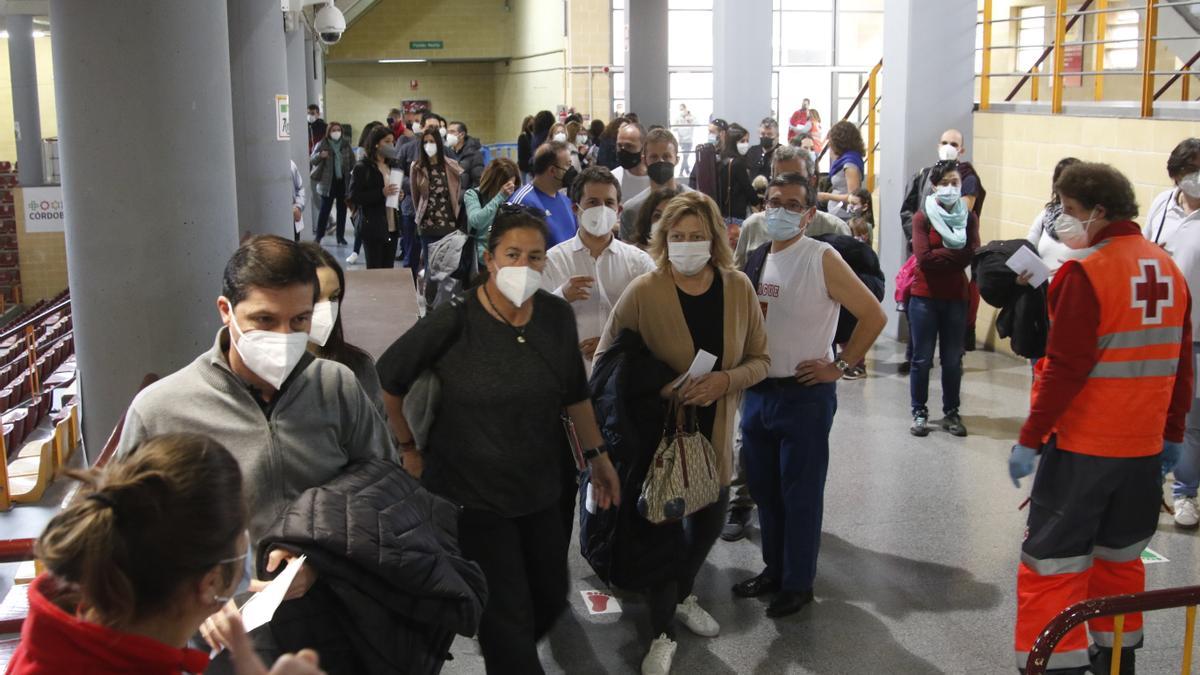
(1153, 292)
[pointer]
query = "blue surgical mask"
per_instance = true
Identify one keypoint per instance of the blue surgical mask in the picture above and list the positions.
(948, 195)
(782, 224)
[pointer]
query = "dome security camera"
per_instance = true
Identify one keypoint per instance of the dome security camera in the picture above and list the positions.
(330, 23)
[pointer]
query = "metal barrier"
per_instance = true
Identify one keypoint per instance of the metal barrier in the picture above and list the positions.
(870, 93)
(1064, 22)
(1116, 606)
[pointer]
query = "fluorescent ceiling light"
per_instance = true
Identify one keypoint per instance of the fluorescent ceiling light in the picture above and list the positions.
(39, 34)
(402, 60)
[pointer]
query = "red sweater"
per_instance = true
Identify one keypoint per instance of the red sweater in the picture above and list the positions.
(54, 642)
(941, 272)
(1072, 352)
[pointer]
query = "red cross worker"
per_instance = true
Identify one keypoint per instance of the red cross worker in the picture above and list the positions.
(1107, 416)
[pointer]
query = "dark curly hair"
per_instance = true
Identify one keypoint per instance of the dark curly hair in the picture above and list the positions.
(844, 137)
(1094, 184)
(1183, 158)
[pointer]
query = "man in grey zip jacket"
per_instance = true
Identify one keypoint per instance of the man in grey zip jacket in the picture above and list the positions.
(288, 438)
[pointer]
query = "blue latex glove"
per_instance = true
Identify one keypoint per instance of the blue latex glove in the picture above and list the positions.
(1020, 463)
(1170, 456)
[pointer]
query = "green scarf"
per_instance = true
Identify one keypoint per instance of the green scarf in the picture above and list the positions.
(336, 149)
(952, 225)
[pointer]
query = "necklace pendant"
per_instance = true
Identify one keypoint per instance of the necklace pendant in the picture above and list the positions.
(521, 339)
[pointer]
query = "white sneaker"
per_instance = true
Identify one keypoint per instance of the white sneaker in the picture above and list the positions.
(658, 659)
(696, 618)
(1186, 513)
(352, 258)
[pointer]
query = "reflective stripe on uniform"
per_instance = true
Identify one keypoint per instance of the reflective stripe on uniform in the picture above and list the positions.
(1051, 566)
(1129, 639)
(1147, 337)
(1135, 369)
(1076, 658)
(1120, 555)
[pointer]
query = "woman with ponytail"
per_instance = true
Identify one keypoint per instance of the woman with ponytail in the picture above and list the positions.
(152, 546)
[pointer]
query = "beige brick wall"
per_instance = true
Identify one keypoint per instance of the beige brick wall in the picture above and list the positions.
(1015, 156)
(43, 259)
(358, 93)
(45, 70)
(468, 29)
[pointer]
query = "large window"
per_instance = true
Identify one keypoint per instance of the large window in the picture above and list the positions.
(1031, 36)
(1122, 55)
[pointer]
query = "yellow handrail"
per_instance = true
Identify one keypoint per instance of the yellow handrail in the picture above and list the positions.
(873, 103)
(1101, 36)
(1060, 36)
(1149, 52)
(985, 85)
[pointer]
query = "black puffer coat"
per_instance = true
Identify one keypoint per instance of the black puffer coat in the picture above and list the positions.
(389, 567)
(1023, 316)
(623, 548)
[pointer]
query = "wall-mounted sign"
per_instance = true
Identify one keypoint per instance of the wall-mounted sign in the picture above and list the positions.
(413, 84)
(282, 118)
(43, 209)
(425, 44)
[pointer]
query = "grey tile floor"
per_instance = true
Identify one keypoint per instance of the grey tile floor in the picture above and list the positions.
(918, 564)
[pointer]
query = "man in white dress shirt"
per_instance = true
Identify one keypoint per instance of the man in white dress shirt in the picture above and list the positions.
(592, 269)
(1173, 222)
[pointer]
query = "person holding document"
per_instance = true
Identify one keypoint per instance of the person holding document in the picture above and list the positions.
(694, 301)
(153, 546)
(375, 191)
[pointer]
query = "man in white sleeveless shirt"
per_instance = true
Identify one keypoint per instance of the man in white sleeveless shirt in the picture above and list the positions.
(802, 284)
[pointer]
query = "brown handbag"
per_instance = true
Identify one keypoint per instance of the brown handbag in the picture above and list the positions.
(683, 477)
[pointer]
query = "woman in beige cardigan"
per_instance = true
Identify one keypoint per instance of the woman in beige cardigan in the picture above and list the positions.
(695, 300)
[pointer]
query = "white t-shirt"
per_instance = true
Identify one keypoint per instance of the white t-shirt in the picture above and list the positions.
(631, 185)
(1178, 232)
(617, 267)
(800, 317)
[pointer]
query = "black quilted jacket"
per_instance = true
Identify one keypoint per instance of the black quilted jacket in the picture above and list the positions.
(390, 574)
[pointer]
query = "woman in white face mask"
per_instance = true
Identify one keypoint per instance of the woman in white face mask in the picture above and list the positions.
(508, 360)
(436, 191)
(331, 163)
(735, 192)
(695, 300)
(325, 337)
(945, 236)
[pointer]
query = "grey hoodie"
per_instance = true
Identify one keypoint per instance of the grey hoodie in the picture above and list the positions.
(321, 422)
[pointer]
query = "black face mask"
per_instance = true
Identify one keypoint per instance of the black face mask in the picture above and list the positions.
(767, 142)
(628, 159)
(569, 177)
(661, 172)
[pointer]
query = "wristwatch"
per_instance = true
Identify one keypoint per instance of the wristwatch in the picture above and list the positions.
(595, 452)
(841, 365)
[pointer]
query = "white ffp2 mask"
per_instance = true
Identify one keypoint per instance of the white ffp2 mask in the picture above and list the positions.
(325, 314)
(598, 221)
(518, 284)
(269, 355)
(689, 257)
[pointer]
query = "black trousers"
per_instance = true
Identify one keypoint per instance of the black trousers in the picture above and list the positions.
(381, 253)
(700, 531)
(525, 562)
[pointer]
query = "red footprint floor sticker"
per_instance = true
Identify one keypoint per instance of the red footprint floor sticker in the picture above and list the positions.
(600, 603)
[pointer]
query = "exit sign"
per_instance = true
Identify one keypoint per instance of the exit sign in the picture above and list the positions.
(425, 44)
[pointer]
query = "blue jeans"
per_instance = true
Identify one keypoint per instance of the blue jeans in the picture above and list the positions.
(931, 321)
(785, 444)
(1187, 471)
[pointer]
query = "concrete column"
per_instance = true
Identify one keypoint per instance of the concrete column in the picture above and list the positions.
(647, 81)
(298, 92)
(258, 70)
(314, 71)
(22, 64)
(742, 62)
(150, 224)
(928, 87)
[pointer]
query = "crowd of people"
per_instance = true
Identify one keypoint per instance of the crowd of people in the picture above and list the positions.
(618, 322)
